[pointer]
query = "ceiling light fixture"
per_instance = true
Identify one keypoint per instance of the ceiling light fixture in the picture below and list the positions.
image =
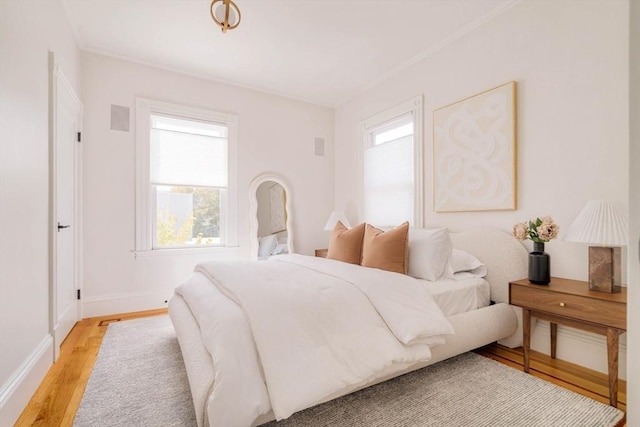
(226, 14)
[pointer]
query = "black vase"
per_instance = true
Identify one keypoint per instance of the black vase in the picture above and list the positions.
(539, 265)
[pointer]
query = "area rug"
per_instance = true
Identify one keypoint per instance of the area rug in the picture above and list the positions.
(139, 380)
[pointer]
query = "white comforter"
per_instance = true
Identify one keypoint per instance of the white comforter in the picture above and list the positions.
(304, 328)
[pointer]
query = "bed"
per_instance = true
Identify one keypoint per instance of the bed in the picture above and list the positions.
(256, 383)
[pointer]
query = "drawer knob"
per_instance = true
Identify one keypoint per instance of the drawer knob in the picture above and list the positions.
(562, 304)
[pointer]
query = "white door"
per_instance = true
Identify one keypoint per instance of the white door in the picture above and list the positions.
(66, 122)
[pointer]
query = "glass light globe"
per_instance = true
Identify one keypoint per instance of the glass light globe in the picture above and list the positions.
(220, 12)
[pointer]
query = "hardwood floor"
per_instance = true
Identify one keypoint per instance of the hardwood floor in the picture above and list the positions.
(57, 399)
(576, 378)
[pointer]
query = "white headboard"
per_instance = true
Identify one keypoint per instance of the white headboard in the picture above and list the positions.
(505, 257)
(506, 260)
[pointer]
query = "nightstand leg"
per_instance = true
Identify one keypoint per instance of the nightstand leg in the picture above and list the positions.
(526, 337)
(554, 338)
(612, 357)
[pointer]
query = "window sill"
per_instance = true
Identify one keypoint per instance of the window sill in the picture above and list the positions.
(148, 253)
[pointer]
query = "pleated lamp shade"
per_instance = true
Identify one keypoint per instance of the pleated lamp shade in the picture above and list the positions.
(600, 223)
(334, 218)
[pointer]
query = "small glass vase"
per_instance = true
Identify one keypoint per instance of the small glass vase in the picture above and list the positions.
(539, 265)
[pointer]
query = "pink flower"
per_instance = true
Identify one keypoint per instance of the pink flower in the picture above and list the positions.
(547, 230)
(520, 231)
(538, 230)
(547, 219)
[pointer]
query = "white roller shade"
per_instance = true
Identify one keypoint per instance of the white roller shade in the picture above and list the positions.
(185, 152)
(388, 182)
(390, 166)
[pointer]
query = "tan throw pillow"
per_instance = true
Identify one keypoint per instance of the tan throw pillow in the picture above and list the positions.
(346, 243)
(386, 250)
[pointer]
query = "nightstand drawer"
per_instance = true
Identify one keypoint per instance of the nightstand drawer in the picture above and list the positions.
(574, 306)
(322, 253)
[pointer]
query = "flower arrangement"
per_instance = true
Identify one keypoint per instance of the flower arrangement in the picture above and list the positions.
(538, 230)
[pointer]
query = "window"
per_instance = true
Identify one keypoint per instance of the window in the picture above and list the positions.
(185, 177)
(391, 166)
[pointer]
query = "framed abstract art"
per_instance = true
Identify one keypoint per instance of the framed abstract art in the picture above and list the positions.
(474, 152)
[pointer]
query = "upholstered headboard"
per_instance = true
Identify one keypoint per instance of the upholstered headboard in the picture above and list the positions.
(504, 256)
(506, 260)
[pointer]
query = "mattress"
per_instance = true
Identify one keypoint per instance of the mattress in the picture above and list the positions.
(459, 296)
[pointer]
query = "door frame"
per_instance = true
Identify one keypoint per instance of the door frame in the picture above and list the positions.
(56, 79)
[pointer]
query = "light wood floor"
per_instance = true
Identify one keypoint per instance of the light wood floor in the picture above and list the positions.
(57, 399)
(576, 378)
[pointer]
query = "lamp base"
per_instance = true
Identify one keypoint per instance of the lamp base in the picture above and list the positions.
(605, 269)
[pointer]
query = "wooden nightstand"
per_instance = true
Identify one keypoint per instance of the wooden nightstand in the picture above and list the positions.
(571, 303)
(322, 253)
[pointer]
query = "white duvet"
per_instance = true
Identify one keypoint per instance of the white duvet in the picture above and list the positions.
(302, 329)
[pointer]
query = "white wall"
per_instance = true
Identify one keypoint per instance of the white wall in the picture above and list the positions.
(570, 60)
(28, 30)
(275, 135)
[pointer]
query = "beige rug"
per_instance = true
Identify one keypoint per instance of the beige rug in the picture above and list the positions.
(139, 380)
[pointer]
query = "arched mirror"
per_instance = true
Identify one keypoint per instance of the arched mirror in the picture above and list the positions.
(270, 216)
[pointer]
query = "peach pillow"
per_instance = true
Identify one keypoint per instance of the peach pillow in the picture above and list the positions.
(346, 244)
(386, 250)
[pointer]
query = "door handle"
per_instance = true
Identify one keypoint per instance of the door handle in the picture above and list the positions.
(60, 227)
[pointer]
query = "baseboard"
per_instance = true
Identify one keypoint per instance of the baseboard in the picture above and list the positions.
(125, 303)
(18, 390)
(579, 347)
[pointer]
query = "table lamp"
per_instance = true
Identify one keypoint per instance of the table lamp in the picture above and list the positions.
(334, 218)
(603, 225)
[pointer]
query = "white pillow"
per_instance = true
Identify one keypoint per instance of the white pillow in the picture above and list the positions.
(429, 251)
(267, 245)
(462, 265)
(282, 248)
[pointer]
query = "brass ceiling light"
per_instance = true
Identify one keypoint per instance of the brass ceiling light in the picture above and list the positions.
(226, 14)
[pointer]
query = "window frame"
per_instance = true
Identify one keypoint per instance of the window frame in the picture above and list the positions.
(145, 201)
(367, 126)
